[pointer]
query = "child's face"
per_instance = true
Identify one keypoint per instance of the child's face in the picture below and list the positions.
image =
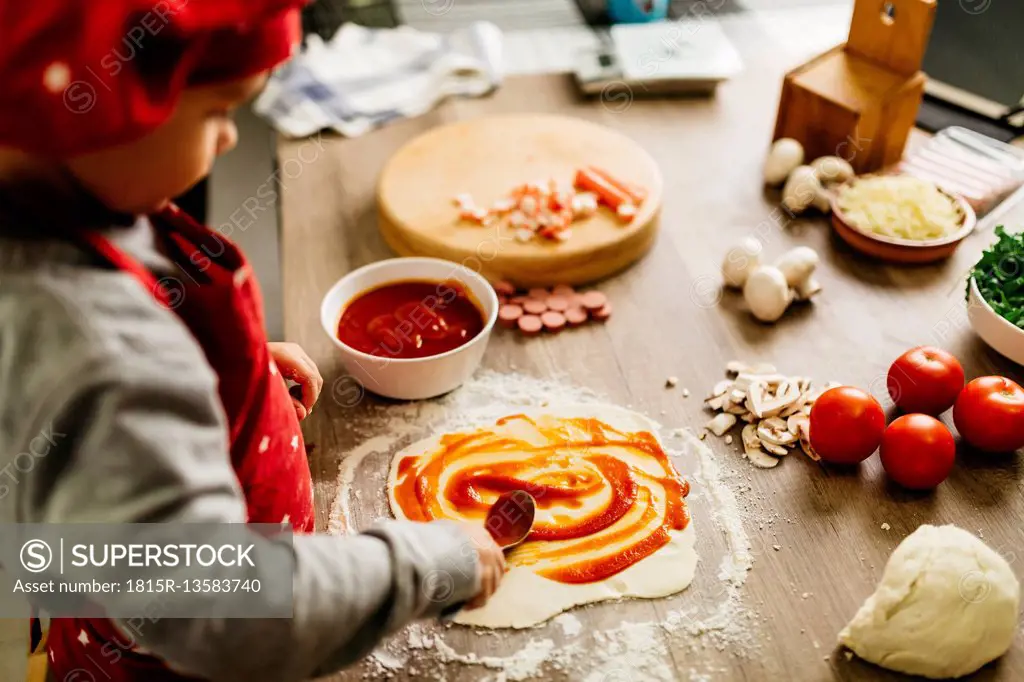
(141, 176)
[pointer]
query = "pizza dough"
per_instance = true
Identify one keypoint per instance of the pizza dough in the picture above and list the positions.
(947, 605)
(525, 597)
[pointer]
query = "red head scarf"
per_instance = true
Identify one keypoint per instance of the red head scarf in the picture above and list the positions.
(81, 75)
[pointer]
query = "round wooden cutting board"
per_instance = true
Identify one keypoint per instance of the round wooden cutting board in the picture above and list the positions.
(486, 158)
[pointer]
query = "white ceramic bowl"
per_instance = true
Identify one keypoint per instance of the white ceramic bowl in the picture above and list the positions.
(410, 378)
(996, 331)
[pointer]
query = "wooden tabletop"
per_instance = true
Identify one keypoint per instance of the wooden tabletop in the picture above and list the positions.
(670, 320)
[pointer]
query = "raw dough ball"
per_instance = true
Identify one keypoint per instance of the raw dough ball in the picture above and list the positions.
(947, 605)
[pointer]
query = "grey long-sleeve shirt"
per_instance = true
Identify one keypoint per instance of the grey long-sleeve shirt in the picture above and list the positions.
(88, 354)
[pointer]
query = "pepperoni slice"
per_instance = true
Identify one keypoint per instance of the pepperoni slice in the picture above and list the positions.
(508, 314)
(576, 315)
(504, 288)
(563, 290)
(535, 306)
(530, 324)
(553, 321)
(557, 303)
(602, 313)
(539, 293)
(518, 300)
(593, 300)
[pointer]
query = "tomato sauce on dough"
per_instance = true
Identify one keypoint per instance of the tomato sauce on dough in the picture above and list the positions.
(410, 319)
(613, 509)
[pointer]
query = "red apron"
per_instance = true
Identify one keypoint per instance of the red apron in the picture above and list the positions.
(217, 297)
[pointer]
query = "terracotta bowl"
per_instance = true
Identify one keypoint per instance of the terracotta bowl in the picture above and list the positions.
(896, 250)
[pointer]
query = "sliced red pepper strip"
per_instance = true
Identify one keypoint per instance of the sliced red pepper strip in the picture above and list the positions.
(610, 195)
(636, 194)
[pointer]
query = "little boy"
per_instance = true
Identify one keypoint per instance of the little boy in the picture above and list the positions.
(132, 343)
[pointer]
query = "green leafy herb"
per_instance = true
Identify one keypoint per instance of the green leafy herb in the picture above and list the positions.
(1000, 276)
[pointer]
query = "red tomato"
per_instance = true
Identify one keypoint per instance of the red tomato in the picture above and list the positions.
(925, 379)
(989, 414)
(918, 451)
(846, 425)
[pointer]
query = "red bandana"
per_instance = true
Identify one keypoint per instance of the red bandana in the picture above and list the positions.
(81, 75)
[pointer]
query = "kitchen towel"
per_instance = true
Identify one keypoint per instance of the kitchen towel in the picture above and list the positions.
(364, 78)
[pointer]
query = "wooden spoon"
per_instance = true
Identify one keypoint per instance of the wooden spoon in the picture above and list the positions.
(509, 521)
(510, 518)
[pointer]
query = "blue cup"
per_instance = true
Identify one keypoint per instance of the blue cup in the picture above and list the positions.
(637, 11)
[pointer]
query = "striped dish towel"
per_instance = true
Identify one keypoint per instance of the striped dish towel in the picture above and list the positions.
(364, 78)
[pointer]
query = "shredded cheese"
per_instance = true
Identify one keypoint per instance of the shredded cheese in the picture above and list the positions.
(900, 206)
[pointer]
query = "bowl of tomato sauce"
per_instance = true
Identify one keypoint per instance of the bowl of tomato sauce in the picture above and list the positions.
(410, 328)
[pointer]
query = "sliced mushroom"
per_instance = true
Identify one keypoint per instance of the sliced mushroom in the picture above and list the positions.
(749, 435)
(749, 417)
(775, 431)
(776, 450)
(795, 407)
(737, 396)
(762, 459)
(742, 382)
(764, 404)
(734, 408)
(715, 403)
(721, 423)
(799, 425)
(753, 451)
(805, 444)
(720, 388)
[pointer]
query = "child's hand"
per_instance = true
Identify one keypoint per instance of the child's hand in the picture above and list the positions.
(295, 364)
(491, 563)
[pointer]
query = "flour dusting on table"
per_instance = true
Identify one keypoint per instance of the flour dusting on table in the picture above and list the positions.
(714, 614)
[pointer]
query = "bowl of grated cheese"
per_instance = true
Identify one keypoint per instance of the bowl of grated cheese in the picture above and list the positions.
(900, 218)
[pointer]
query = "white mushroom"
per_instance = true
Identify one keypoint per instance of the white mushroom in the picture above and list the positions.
(798, 264)
(830, 169)
(767, 293)
(785, 155)
(822, 200)
(740, 261)
(806, 289)
(803, 190)
(721, 423)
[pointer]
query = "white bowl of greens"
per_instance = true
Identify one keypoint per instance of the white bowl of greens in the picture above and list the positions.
(995, 296)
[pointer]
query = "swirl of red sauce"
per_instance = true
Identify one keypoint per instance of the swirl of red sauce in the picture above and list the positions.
(605, 498)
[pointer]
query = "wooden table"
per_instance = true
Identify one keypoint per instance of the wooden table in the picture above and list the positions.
(669, 321)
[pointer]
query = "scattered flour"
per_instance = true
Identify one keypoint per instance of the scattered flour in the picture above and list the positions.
(627, 652)
(570, 624)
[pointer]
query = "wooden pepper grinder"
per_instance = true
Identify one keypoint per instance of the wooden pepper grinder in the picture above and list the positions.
(859, 100)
